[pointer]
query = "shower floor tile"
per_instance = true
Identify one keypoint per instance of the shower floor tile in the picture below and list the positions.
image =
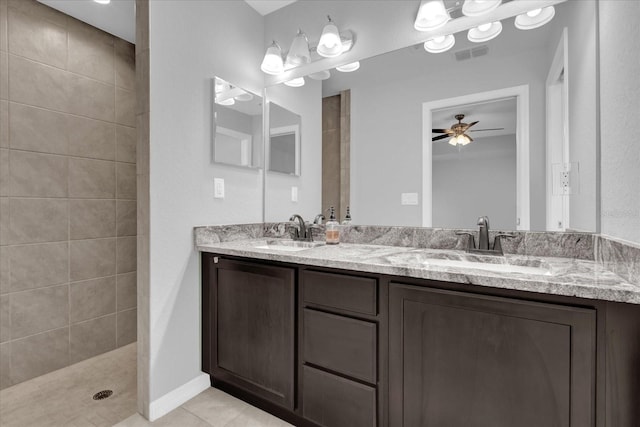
(65, 397)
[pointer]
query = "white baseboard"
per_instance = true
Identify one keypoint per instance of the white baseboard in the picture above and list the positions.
(177, 397)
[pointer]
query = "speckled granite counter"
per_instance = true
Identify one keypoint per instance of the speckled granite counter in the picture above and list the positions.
(548, 275)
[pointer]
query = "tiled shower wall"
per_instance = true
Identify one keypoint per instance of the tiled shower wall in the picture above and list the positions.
(67, 191)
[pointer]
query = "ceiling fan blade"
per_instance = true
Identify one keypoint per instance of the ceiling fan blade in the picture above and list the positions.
(441, 131)
(480, 130)
(469, 125)
(437, 138)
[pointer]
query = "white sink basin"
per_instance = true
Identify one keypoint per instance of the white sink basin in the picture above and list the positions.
(499, 268)
(288, 245)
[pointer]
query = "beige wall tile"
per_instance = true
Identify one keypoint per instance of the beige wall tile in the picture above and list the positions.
(5, 319)
(125, 107)
(4, 221)
(4, 269)
(36, 266)
(91, 138)
(126, 285)
(4, 172)
(125, 65)
(36, 38)
(39, 10)
(126, 218)
(5, 363)
(38, 220)
(92, 298)
(92, 258)
(39, 354)
(93, 337)
(126, 254)
(90, 98)
(38, 175)
(36, 84)
(127, 322)
(91, 53)
(92, 179)
(4, 123)
(36, 129)
(125, 144)
(126, 177)
(39, 310)
(90, 219)
(4, 75)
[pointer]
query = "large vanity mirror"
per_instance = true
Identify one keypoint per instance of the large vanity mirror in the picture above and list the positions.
(535, 88)
(237, 125)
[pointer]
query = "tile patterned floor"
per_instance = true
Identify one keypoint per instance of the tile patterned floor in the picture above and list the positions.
(64, 397)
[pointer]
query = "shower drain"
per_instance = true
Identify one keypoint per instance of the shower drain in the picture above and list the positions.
(102, 394)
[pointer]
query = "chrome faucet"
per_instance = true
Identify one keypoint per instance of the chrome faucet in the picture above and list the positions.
(483, 239)
(299, 230)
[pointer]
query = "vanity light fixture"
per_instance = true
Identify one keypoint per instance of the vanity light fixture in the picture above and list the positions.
(479, 7)
(227, 101)
(431, 15)
(102, 1)
(347, 68)
(295, 82)
(299, 51)
(535, 18)
(485, 32)
(244, 96)
(440, 44)
(272, 62)
(330, 44)
(320, 75)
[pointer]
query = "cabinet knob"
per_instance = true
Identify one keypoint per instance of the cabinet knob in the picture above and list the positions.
(215, 259)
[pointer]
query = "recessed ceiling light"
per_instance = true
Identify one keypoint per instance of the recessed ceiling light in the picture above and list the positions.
(347, 68)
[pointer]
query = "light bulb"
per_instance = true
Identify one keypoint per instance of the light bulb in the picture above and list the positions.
(349, 67)
(533, 13)
(439, 39)
(484, 27)
(330, 44)
(228, 101)
(440, 44)
(297, 82)
(534, 18)
(432, 15)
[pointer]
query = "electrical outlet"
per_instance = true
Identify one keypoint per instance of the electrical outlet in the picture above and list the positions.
(294, 194)
(218, 188)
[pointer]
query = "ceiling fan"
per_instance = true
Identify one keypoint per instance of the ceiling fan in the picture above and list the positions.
(458, 132)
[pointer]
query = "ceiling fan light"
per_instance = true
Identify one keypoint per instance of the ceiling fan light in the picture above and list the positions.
(272, 62)
(297, 82)
(484, 32)
(440, 44)
(432, 15)
(347, 68)
(298, 52)
(330, 44)
(535, 18)
(479, 7)
(320, 75)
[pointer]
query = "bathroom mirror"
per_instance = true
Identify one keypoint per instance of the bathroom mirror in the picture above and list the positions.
(284, 140)
(237, 125)
(551, 71)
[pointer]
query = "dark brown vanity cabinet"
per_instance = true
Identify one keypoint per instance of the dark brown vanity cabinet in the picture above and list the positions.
(460, 359)
(251, 325)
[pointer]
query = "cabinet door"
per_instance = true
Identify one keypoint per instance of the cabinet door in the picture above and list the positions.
(253, 329)
(460, 359)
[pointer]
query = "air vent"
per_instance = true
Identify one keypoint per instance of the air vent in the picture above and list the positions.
(465, 54)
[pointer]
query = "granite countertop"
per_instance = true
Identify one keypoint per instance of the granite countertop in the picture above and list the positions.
(547, 275)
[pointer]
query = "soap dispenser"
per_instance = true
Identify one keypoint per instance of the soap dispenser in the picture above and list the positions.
(347, 218)
(332, 228)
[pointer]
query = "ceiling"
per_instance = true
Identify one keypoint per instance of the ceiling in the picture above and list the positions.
(117, 18)
(265, 7)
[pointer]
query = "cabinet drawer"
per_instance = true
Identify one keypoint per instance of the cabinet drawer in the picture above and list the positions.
(332, 401)
(341, 344)
(341, 291)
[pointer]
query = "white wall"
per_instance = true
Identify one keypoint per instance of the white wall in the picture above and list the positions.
(306, 101)
(190, 42)
(386, 132)
(619, 115)
(478, 179)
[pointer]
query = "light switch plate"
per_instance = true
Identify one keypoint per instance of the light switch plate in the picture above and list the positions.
(294, 194)
(218, 188)
(409, 199)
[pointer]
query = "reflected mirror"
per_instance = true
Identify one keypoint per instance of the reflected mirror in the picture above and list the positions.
(237, 126)
(400, 176)
(284, 140)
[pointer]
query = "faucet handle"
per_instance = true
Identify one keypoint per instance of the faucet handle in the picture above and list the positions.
(471, 240)
(497, 241)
